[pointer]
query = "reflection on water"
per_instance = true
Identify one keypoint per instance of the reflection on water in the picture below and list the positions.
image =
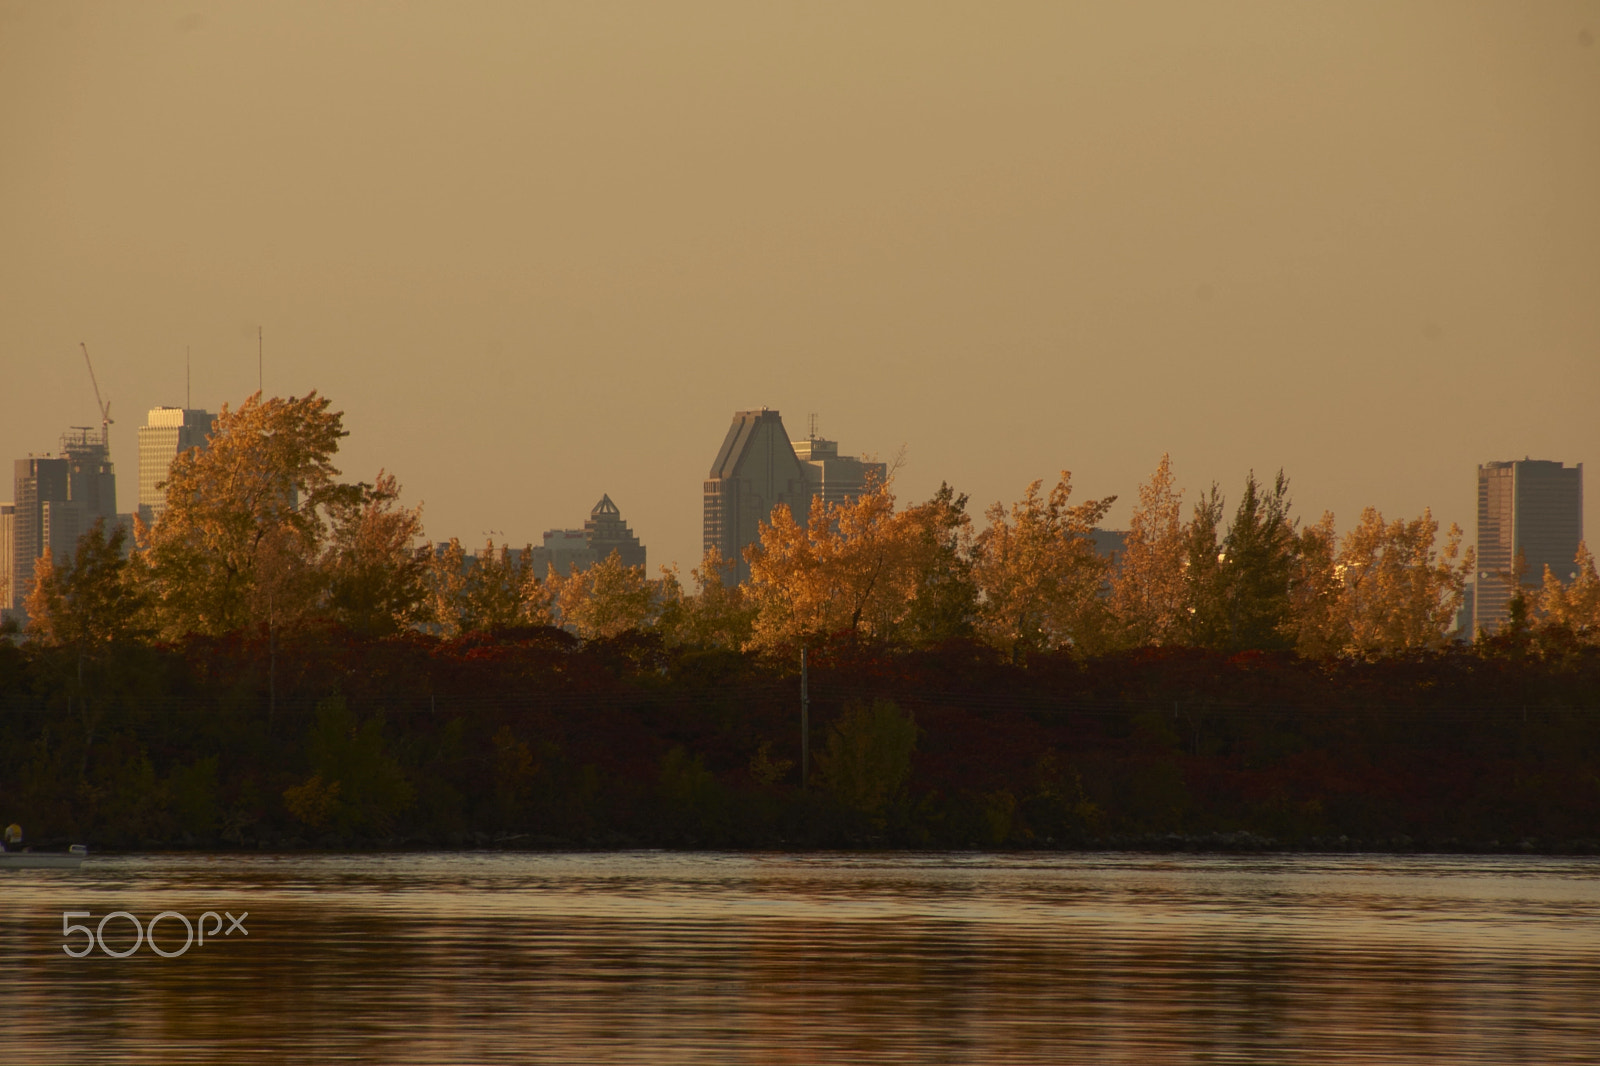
(659, 958)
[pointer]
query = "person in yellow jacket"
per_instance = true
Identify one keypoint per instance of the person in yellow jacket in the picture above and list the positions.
(13, 836)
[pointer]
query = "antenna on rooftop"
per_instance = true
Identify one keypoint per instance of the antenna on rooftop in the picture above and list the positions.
(813, 423)
(188, 400)
(259, 376)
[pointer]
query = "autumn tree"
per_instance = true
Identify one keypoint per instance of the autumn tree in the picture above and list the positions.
(716, 615)
(862, 571)
(1315, 590)
(1148, 598)
(241, 540)
(784, 589)
(447, 608)
(862, 551)
(1038, 573)
(944, 594)
(502, 590)
(495, 589)
(1572, 606)
(606, 600)
(1388, 589)
(842, 574)
(377, 571)
(92, 601)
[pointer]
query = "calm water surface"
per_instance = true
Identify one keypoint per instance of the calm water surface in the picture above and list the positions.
(662, 958)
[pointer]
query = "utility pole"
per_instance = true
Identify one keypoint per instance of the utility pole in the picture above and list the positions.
(805, 723)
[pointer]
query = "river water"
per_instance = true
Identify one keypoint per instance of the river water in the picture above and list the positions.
(654, 957)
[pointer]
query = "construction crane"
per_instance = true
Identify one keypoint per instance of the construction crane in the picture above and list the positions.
(105, 408)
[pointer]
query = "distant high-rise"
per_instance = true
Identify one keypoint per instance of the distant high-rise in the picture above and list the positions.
(58, 499)
(91, 479)
(604, 532)
(564, 550)
(755, 471)
(167, 432)
(44, 518)
(834, 477)
(1532, 509)
(8, 552)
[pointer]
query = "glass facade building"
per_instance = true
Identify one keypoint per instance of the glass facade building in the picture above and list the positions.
(1530, 516)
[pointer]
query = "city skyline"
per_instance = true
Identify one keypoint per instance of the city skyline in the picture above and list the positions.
(1358, 245)
(811, 456)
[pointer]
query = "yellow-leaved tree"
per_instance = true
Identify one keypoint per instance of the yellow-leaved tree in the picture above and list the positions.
(1388, 589)
(1148, 599)
(241, 541)
(860, 570)
(377, 567)
(606, 600)
(1038, 574)
(1575, 605)
(1314, 590)
(495, 589)
(837, 576)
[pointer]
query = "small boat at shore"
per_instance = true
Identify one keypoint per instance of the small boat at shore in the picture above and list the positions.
(29, 859)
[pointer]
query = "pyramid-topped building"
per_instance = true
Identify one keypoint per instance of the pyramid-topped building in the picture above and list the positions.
(606, 532)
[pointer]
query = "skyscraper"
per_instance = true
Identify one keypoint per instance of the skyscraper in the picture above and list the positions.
(91, 479)
(606, 532)
(40, 520)
(8, 551)
(834, 477)
(167, 432)
(58, 499)
(755, 471)
(1530, 511)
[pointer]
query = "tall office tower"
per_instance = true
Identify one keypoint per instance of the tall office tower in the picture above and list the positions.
(834, 477)
(8, 552)
(755, 471)
(43, 517)
(167, 432)
(58, 499)
(1533, 509)
(91, 479)
(606, 532)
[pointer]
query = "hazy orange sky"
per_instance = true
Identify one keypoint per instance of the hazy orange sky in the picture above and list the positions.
(539, 252)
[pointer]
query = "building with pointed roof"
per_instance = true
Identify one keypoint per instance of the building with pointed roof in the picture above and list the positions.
(606, 532)
(755, 470)
(603, 533)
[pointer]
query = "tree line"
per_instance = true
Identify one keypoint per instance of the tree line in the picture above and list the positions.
(281, 659)
(260, 533)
